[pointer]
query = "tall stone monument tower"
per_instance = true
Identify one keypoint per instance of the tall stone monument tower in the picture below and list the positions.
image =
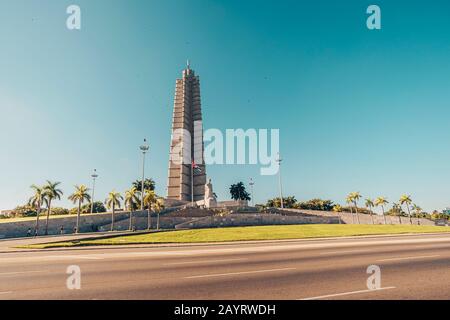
(187, 179)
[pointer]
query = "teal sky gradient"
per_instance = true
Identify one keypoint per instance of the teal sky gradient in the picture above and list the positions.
(358, 110)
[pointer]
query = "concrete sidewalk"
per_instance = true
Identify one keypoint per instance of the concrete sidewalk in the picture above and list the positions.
(8, 245)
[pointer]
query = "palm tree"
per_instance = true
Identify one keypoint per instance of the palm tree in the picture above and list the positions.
(382, 201)
(418, 211)
(80, 195)
(149, 200)
(349, 200)
(337, 208)
(397, 208)
(149, 184)
(36, 202)
(113, 201)
(132, 201)
(158, 206)
(238, 192)
(369, 204)
(355, 197)
(50, 193)
(404, 199)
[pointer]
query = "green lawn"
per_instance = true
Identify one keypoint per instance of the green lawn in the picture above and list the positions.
(248, 233)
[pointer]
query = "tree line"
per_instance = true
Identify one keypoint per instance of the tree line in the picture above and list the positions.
(133, 199)
(404, 207)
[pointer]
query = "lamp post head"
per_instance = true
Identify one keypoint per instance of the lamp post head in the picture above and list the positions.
(278, 159)
(94, 175)
(144, 148)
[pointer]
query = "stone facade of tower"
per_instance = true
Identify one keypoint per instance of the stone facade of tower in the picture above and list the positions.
(187, 115)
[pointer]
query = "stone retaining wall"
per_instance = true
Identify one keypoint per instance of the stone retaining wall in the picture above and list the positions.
(246, 219)
(88, 223)
(140, 223)
(348, 218)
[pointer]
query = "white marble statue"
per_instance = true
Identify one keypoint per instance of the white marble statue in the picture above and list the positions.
(210, 199)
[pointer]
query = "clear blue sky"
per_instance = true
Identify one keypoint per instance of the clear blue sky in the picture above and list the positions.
(357, 110)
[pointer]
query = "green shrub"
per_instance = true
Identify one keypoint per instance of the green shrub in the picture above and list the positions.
(59, 211)
(99, 207)
(316, 204)
(23, 211)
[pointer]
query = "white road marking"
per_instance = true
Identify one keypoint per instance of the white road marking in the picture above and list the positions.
(49, 258)
(202, 261)
(237, 273)
(346, 251)
(19, 272)
(71, 257)
(431, 246)
(408, 258)
(6, 292)
(346, 293)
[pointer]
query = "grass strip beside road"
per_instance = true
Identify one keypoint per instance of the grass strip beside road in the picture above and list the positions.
(246, 234)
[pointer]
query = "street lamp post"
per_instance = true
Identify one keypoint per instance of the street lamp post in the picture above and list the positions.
(144, 148)
(94, 176)
(251, 183)
(279, 180)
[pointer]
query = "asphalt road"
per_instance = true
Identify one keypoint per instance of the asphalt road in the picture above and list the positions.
(412, 267)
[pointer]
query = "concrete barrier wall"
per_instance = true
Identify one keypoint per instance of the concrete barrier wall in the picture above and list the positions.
(246, 219)
(88, 223)
(140, 223)
(348, 218)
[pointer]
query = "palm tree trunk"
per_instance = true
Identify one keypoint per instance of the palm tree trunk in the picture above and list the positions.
(351, 213)
(357, 215)
(78, 217)
(384, 215)
(409, 214)
(371, 216)
(149, 221)
(48, 215)
(131, 217)
(38, 210)
(157, 222)
(112, 217)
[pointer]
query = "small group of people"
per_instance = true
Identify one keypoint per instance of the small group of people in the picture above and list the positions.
(61, 231)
